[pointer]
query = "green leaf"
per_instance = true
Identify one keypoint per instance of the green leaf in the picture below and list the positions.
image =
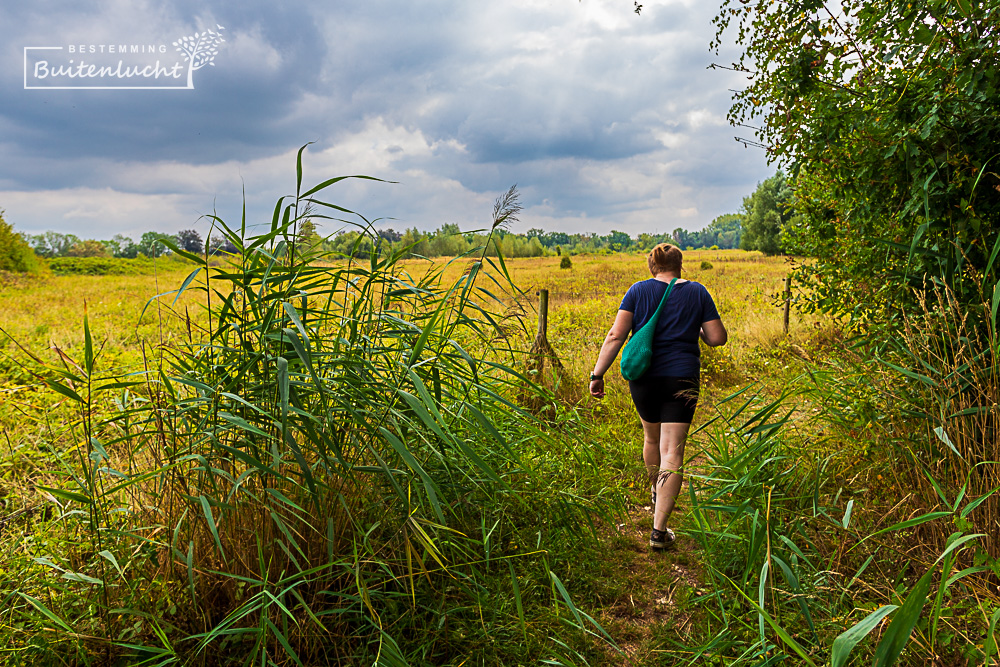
(780, 631)
(977, 502)
(283, 498)
(848, 639)
(996, 244)
(761, 588)
(943, 437)
(110, 557)
(45, 612)
(898, 633)
(180, 252)
(995, 306)
(242, 423)
(793, 581)
(910, 374)
(88, 343)
(956, 542)
(429, 486)
(184, 285)
(909, 523)
(289, 651)
(206, 508)
(283, 389)
(294, 316)
(64, 390)
(66, 495)
(329, 182)
(81, 578)
(418, 347)
(990, 645)
(847, 513)
(517, 601)
(116, 385)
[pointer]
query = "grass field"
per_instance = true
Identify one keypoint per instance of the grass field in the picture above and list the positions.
(561, 532)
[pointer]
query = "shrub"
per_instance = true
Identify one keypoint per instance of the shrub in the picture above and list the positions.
(705, 265)
(16, 255)
(715, 247)
(100, 266)
(88, 248)
(565, 262)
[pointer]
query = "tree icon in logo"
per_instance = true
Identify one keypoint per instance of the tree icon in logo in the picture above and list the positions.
(199, 50)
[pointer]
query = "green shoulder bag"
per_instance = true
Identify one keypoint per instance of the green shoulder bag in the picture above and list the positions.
(639, 351)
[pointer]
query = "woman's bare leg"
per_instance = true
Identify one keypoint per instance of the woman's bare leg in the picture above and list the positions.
(665, 465)
(651, 451)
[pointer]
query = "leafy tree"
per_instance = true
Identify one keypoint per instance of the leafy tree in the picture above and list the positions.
(88, 248)
(220, 244)
(52, 244)
(725, 231)
(448, 241)
(123, 246)
(886, 114)
(415, 240)
(618, 241)
(555, 238)
(352, 243)
(150, 246)
(765, 214)
(307, 235)
(190, 240)
(390, 235)
(682, 238)
(15, 253)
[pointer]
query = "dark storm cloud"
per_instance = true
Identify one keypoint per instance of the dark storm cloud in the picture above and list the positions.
(599, 115)
(236, 109)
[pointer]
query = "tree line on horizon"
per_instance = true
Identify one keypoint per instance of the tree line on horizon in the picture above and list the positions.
(761, 225)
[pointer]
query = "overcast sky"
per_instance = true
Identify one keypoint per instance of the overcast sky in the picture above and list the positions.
(603, 118)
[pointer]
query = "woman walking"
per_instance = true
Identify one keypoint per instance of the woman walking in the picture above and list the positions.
(666, 395)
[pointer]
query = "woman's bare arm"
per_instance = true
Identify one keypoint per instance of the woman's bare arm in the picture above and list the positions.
(714, 333)
(613, 343)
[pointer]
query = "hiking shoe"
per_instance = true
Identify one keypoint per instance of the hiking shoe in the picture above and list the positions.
(662, 539)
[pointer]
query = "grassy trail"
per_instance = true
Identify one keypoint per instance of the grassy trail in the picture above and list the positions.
(640, 596)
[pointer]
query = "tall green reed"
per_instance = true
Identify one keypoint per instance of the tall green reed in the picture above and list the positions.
(328, 470)
(789, 561)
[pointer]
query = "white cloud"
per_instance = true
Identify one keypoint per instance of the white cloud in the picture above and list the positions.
(99, 213)
(605, 119)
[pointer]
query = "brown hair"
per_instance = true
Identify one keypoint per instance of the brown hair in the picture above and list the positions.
(665, 257)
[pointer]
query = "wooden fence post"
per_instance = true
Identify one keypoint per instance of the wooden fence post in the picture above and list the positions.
(541, 351)
(543, 313)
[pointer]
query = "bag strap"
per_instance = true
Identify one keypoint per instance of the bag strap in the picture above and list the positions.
(656, 314)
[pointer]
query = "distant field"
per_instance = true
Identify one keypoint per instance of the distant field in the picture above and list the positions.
(128, 324)
(583, 301)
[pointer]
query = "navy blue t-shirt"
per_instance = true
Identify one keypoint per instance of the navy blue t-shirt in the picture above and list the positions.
(675, 345)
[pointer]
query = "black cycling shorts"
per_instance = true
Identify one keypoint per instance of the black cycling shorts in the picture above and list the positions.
(665, 399)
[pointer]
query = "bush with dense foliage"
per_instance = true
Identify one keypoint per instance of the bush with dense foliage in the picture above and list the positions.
(886, 115)
(16, 255)
(766, 213)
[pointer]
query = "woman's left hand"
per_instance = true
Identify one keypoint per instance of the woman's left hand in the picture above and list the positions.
(597, 388)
